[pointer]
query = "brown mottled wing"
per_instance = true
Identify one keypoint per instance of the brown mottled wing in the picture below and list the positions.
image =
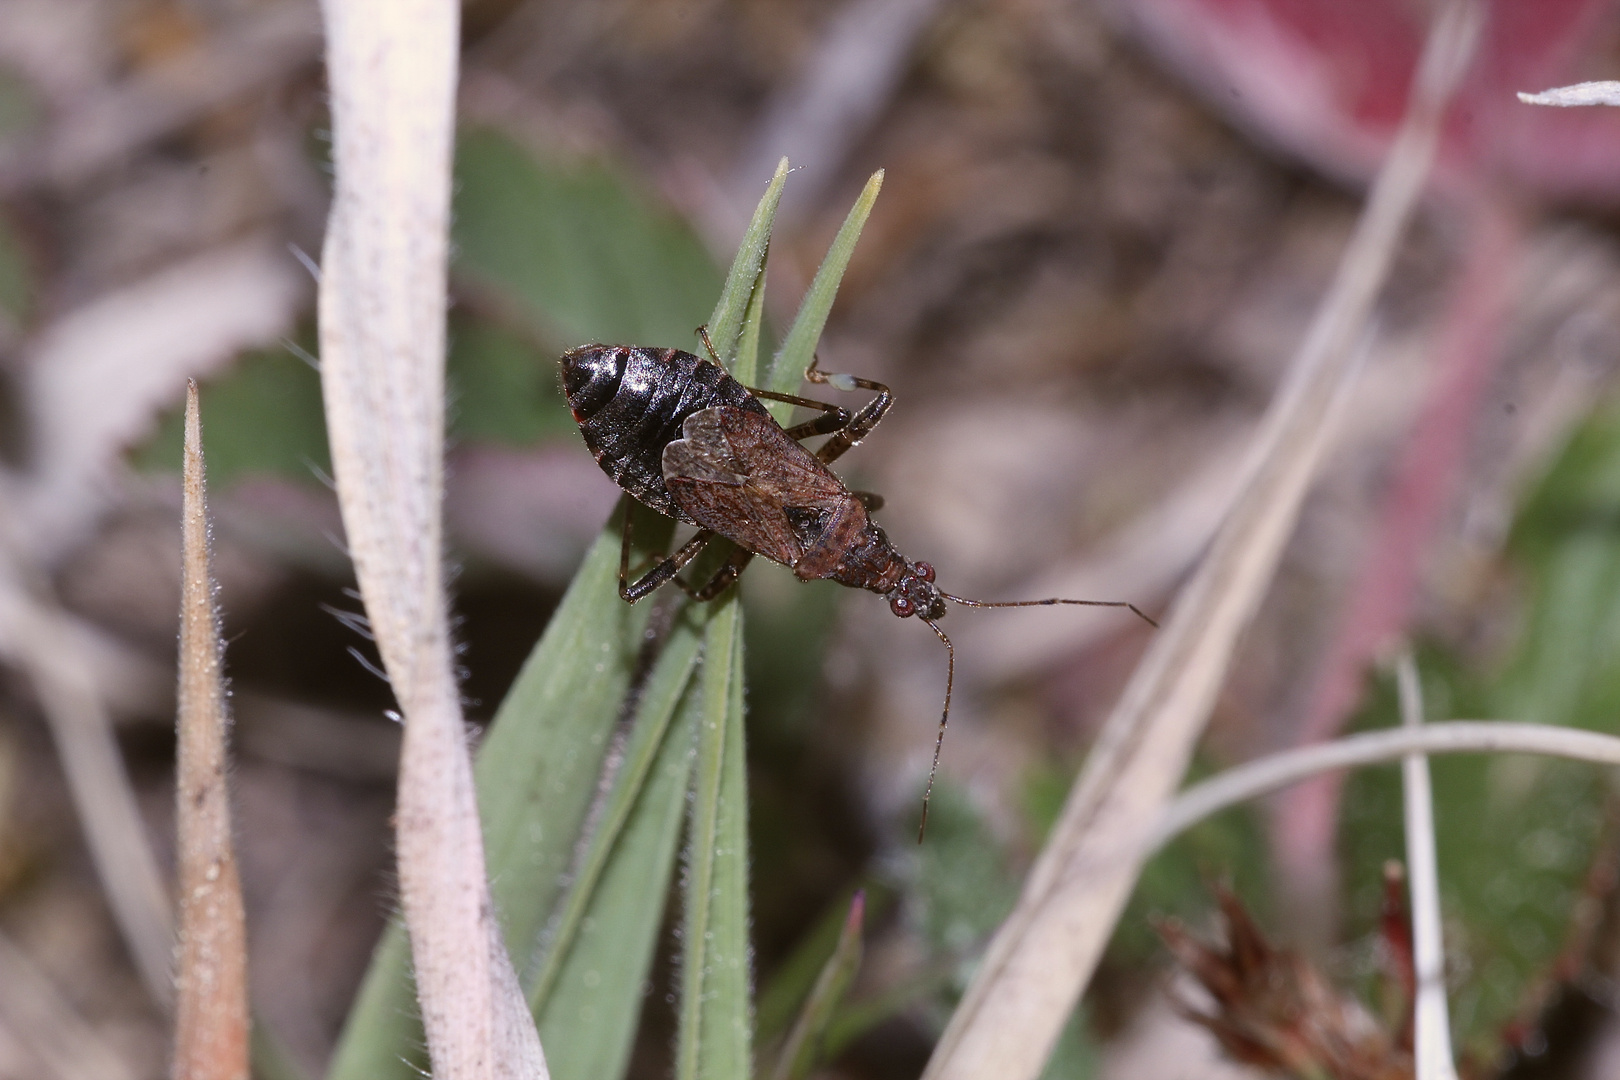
(738, 473)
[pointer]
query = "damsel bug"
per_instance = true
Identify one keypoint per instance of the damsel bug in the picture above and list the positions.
(694, 444)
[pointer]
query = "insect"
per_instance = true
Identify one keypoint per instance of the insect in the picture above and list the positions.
(689, 441)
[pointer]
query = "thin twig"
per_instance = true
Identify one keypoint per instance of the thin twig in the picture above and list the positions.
(1281, 770)
(34, 1008)
(211, 1010)
(37, 637)
(1432, 1024)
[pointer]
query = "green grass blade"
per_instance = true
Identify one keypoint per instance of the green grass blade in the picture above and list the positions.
(382, 1036)
(588, 1022)
(745, 279)
(804, 1042)
(799, 347)
(537, 772)
(572, 250)
(747, 361)
(713, 1033)
(780, 1000)
(270, 1059)
(659, 698)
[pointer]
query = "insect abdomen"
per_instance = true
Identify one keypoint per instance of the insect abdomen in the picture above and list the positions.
(630, 403)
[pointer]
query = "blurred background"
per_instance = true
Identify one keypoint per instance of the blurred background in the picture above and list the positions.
(1103, 230)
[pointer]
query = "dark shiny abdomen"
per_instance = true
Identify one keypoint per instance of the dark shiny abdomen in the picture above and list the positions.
(630, 402)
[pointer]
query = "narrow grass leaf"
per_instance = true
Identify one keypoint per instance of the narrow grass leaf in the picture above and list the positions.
(211, 1011)
(781, 999)
(382, 1035)
(746, 278)
(804, 1043)
(746, 365)
(589, 1020)
(799, 347)
(712, 1039)
(728, 991)
(269, 1056)
(658, 700)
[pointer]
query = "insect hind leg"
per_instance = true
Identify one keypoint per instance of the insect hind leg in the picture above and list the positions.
(665, 569)
(723, 577)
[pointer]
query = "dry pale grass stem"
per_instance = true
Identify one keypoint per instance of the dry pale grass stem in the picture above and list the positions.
(211, 1009)
(1586, 93)
(1043, 955)
(1432, 1021)
(1288, 767)
(392, 71)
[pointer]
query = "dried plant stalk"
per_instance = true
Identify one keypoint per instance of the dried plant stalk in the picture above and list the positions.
(211, 1009)
(1041, 958)
(1431, 1017)
(38, 1015)
(39, 639)
(392, 70)
(1586, 93)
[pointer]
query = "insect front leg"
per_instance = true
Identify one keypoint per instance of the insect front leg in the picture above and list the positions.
(861, 424)
(832, 417)
(664, 571)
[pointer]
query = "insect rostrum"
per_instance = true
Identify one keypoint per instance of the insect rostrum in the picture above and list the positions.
(689, 441)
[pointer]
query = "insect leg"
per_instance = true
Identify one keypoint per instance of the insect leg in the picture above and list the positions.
(722, 578)
(666, 568)
(869, 499)
(703, 332)
(832, 417)
(861, 424)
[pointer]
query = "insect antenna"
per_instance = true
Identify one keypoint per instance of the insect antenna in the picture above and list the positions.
(945, 714)
(965, 602)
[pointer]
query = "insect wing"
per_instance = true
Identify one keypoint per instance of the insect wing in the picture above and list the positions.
(737, 472)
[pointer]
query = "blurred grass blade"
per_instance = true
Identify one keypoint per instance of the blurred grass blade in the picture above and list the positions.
(712, 1040)
(269, 1056)
(781, 999)
(211, 1013)
(571, 251)
(589, 1019)
(799, 347)
(658, 701)
(802, 1049)
(745, 281)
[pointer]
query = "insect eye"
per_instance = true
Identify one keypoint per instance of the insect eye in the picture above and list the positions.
(900, 605)
(925, 571)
